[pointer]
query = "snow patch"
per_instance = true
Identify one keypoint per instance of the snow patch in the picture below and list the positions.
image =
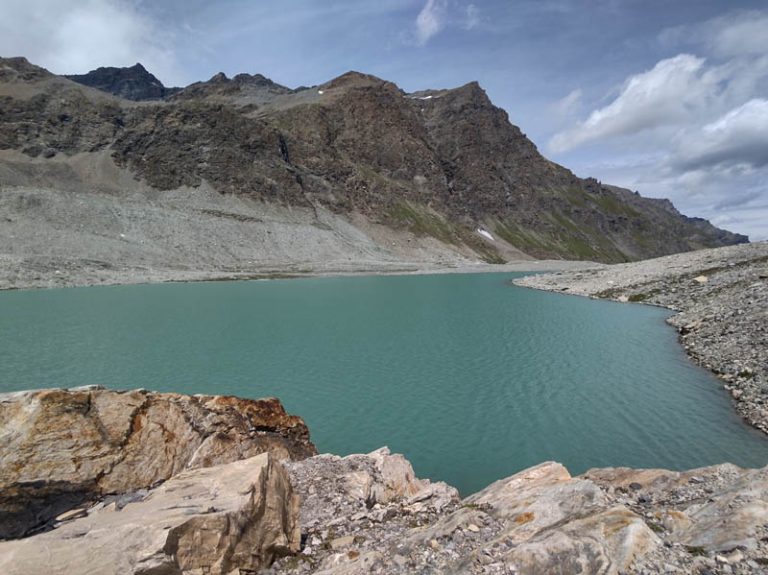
(485, 234)
(320, 92)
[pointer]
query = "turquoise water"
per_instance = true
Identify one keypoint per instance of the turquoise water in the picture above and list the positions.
(471, 378)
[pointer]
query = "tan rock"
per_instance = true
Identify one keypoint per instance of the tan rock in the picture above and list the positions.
(64, 447)
(731, 518)
(398, 477)
(341, 542)
(554, 524)
(538, 498)
(607, 543)
(216, 520)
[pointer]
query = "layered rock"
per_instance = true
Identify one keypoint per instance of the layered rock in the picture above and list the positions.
(233, 518)
(65, 447)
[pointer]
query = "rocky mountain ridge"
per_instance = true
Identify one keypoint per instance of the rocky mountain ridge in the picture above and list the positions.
(430, 170)
(134, 83)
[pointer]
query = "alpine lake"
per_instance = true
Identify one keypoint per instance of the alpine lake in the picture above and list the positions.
(471, 378)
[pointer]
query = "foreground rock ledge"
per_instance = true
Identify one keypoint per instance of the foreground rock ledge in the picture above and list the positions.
(235, 517)
(61, 448)
(335, 515)
(368, 514)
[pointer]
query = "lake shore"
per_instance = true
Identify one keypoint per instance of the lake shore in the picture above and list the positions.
(721, 300)
(42, 273)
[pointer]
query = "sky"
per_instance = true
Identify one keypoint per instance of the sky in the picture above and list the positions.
(666, 97)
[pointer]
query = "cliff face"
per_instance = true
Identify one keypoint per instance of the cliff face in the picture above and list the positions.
(437, 164)
(61, 448)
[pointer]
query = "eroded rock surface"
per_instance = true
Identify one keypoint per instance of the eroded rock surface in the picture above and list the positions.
(61, 448)
(231, 518)
(357, 518)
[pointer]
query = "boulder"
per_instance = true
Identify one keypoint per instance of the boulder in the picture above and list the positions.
(62, 448)
(216, 520)
(552, 523)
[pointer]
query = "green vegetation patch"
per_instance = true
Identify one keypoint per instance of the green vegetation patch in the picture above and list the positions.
(421, 222)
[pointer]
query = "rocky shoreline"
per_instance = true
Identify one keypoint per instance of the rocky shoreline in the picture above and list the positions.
(175, 484)
(721, 300)
(48, 273)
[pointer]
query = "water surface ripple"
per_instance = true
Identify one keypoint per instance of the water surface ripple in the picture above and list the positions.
(471, 378)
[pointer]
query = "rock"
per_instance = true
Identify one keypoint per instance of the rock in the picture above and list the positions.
(701, 279)
(62, 448)
(342, 542)
(397, 475)
(72, 514)
(732, 517)
(133, 83)
(217, 520)
(607, 542)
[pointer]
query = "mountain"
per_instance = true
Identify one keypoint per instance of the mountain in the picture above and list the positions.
(133, 83)
(359, 168)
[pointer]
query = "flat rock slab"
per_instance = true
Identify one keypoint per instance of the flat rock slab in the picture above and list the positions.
(62, 448)
(239, 515)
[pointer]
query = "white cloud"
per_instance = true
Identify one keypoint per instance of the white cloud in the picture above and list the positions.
(739, 137)
(735, 34)
(70, 37)
(430, 20)
(472, 17)
(703, 123)
(568, 105)
(667, 94)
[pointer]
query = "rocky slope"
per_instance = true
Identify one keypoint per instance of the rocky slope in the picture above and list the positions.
(375, 174)
(608, 521)
(62, 448)
(721, 297)
(358, 514)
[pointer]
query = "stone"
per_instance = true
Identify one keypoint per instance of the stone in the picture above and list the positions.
(731, 518)
(62, 448)
(341, 542)
(606, 542)
(72, 514)
(216, 520)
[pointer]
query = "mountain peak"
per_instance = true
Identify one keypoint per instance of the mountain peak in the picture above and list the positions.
(353, 79)
(133, 83)
(21, 68)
